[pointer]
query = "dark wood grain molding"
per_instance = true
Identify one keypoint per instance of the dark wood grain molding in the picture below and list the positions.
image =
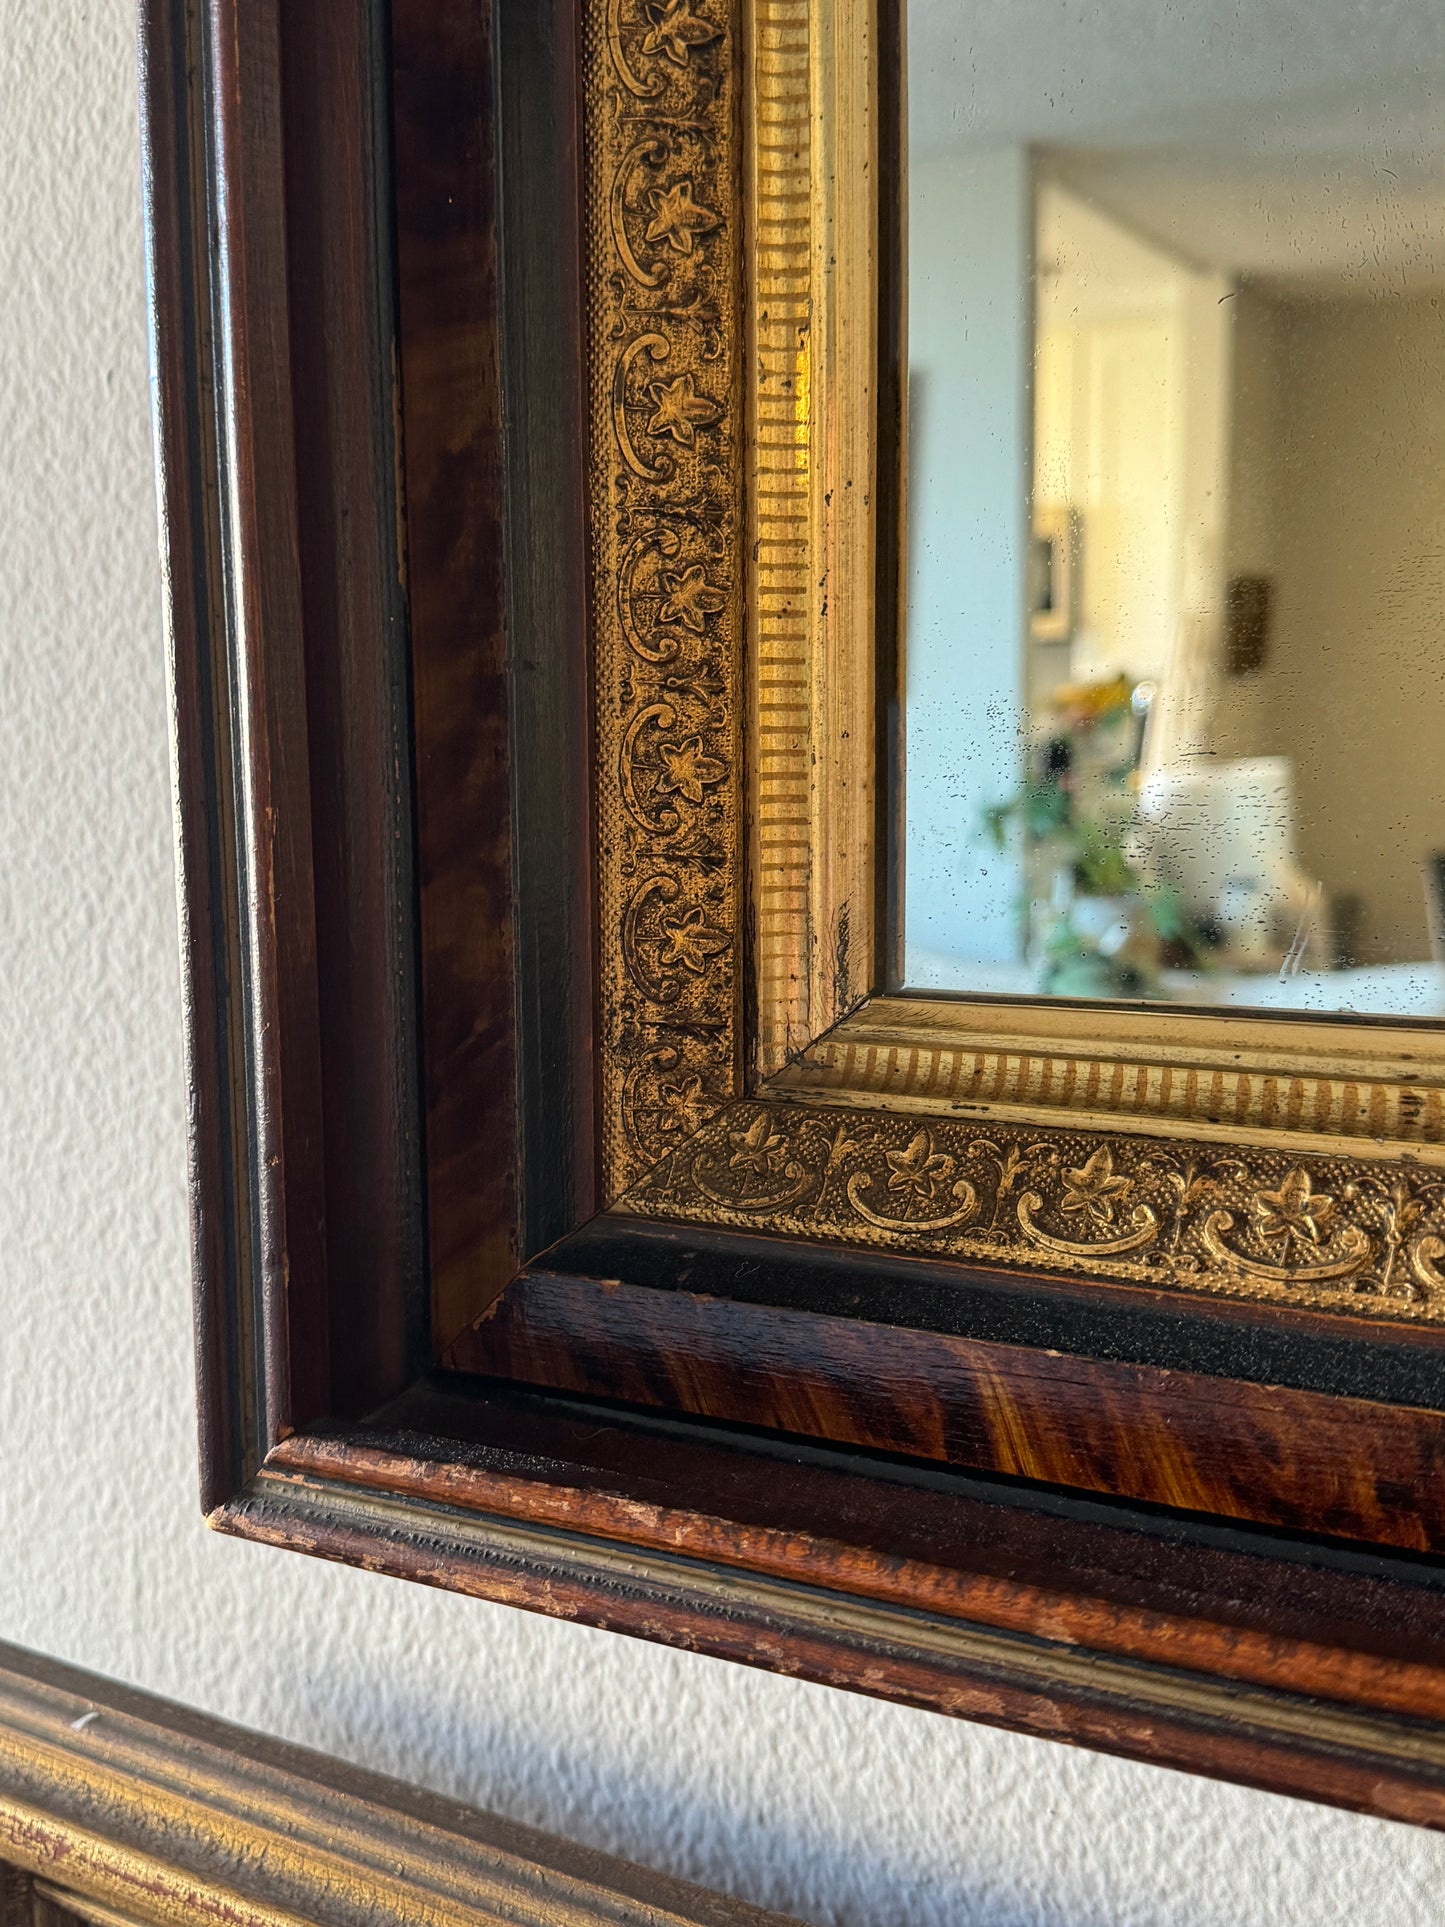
(444, 89)
(126, 1808)
(272, 334)
(1302, 1460)
(1140, 1582)
(1296, 1716)
(336, 112)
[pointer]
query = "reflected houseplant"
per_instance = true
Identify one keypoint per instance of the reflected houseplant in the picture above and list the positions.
(1096, 925)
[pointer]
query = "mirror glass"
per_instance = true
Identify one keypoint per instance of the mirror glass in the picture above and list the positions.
(1174, 502)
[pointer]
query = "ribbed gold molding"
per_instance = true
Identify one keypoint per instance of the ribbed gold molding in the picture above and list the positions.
(1326, 1087)
(812, 219)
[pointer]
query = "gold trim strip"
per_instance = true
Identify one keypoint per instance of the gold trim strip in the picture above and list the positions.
(1322, 1086)
(780, 436)
(812, 219)
(1336, 1234)
(128, 1809)
(666, 460)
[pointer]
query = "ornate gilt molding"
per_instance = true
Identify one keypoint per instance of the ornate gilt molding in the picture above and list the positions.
(1330, 1233)
(666, 485)
(128, 1811)
(1300, 1162)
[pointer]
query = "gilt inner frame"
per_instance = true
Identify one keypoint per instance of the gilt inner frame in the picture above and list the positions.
(751, 1073)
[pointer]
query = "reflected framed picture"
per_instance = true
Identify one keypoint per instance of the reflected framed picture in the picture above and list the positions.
(1053, 573)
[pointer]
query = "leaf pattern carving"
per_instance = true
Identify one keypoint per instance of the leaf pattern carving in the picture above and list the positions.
(687, 771)
(1326, 1232)
(755, 1147)
(1094, 1191)
(678, 410)
(674, 30)
(678, 219)
(689, 598)
(691, 940)
(1295, 1214)
(919, 1169)
(666, 528)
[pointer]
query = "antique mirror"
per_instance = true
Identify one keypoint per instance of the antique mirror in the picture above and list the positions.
(1173, 297)
(1088, 617)
(805, 691)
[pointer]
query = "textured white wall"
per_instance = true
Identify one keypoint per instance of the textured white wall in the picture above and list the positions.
(818, 1802)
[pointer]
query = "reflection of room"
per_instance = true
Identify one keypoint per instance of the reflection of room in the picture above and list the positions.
(1176, 524)
(1338, 499)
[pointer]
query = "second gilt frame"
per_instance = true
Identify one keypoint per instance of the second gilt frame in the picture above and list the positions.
(755, 1072)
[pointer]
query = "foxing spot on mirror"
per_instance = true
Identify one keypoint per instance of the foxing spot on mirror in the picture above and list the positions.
(1174, 592)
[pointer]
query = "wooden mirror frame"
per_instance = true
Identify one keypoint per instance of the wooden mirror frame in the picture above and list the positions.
(573, 1224)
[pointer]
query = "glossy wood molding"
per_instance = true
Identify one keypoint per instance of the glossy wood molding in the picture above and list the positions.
(1351, 1467)
(128, 1809)
(1321, 1675)
(448, 354)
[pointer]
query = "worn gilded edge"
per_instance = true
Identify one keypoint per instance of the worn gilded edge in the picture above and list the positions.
(782, 656)
(1383, 1763)
(1324, 1087)
(811, 262)
(662, 93)
(164, 1816)
(1327, 1233)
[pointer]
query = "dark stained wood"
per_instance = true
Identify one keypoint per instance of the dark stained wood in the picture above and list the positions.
(1299, 1667)
(273, 348)
(226, 441)
(1300, 1460)
(343, 353)
(1131, 1324)
(258, 450)
(552, 754)
(446, 177)
(175, 179)
(1354, 1625)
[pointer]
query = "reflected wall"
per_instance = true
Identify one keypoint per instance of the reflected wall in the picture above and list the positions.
(1175, 505)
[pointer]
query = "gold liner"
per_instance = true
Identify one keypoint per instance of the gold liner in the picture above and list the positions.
(1326, 1234)
(733, 172)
